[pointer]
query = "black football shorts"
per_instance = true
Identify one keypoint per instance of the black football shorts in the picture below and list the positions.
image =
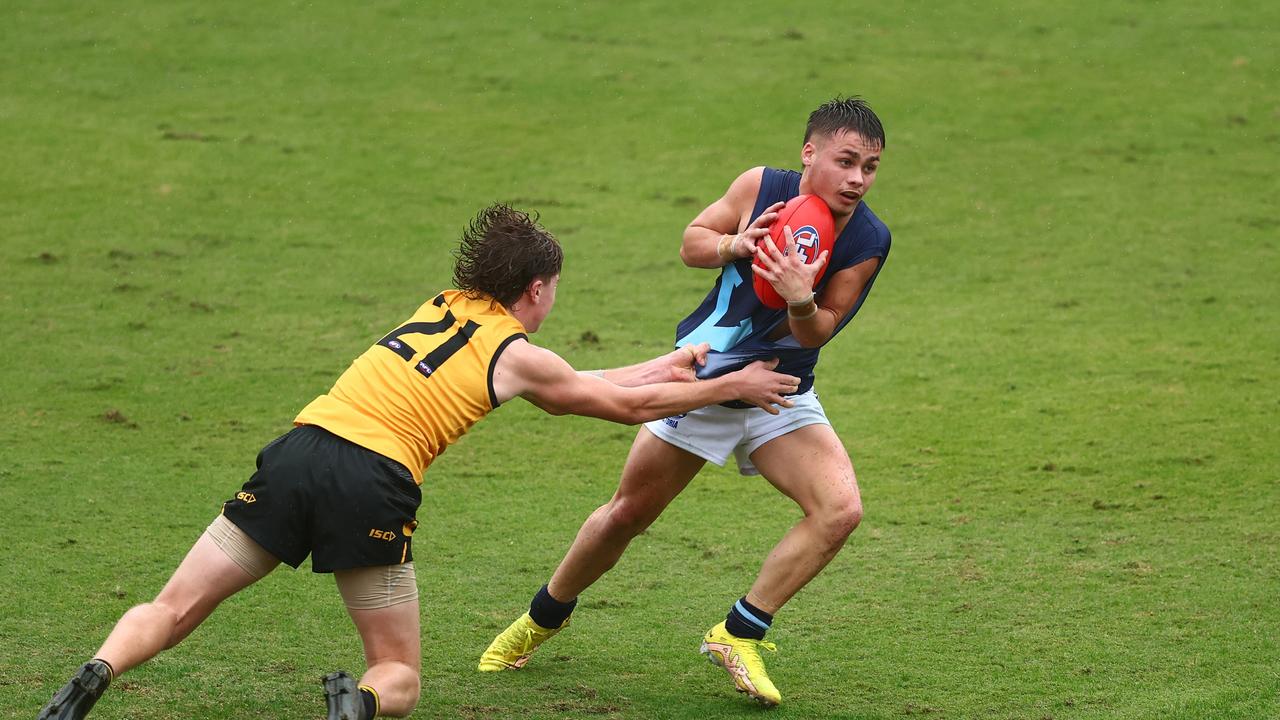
(316, 493)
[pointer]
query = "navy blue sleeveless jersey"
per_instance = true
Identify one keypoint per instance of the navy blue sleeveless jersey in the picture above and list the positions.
(734, 321)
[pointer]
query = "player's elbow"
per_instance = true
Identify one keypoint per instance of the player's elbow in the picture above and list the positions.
(811, 340)
(606, 409)
(633, 416)
(685, 255)
(635, 413)
(813, 337)
(555, 408)
(693, 250)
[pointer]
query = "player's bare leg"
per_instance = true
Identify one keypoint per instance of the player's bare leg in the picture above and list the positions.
(393, 655)
(655, 473)
(206, 577)
(810, 466)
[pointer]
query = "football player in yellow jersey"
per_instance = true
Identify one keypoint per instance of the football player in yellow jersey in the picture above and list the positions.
(343, 485)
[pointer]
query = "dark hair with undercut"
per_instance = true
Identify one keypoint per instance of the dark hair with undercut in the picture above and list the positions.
(849, 114)
(502, 251)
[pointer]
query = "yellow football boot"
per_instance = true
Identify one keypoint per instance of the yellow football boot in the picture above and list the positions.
(513, 646)
(740, 657)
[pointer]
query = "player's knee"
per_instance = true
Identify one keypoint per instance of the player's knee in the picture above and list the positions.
(159, 618)
(415, 693)
(181, 620)
(843, 517)
(630, 516)
(408, 690)
(853, 515)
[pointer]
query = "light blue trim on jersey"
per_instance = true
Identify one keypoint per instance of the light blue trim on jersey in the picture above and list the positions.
(720, 338)
(746, 615)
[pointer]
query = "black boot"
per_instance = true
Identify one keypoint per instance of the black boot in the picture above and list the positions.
(75, 698)
(343, 697)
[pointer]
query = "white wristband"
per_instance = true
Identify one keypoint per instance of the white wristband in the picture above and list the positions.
(794, 305)
(727, 248)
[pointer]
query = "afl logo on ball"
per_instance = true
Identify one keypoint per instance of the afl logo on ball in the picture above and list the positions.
(807, 242)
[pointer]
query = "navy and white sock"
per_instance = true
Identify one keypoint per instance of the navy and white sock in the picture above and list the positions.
(747, 621)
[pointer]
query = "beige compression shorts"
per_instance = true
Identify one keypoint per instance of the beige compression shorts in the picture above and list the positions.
(368, 588)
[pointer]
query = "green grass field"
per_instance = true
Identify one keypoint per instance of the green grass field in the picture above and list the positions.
(1061, 398)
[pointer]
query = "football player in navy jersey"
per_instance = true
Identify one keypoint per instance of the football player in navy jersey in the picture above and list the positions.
(796, 450)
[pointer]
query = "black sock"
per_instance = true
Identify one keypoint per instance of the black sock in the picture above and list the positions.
(370, 700)
(747, 621)
(111, 672)
(549, 612)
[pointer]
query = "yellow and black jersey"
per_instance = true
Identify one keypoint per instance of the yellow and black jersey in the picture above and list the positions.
(421, 387)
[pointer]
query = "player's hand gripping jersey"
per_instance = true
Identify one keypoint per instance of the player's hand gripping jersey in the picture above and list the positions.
(423, 385)
(737, 325)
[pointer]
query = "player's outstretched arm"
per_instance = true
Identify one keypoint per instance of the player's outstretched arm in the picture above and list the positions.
(546, 380)
(679, 365)
(712, 240)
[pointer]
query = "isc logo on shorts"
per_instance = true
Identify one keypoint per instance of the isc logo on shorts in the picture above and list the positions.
(247, 497)
(674, 420)
(387, 535)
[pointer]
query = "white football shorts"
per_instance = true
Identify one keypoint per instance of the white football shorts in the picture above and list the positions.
(714, 432)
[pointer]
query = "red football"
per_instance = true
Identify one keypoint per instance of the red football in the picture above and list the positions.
(814, 231)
